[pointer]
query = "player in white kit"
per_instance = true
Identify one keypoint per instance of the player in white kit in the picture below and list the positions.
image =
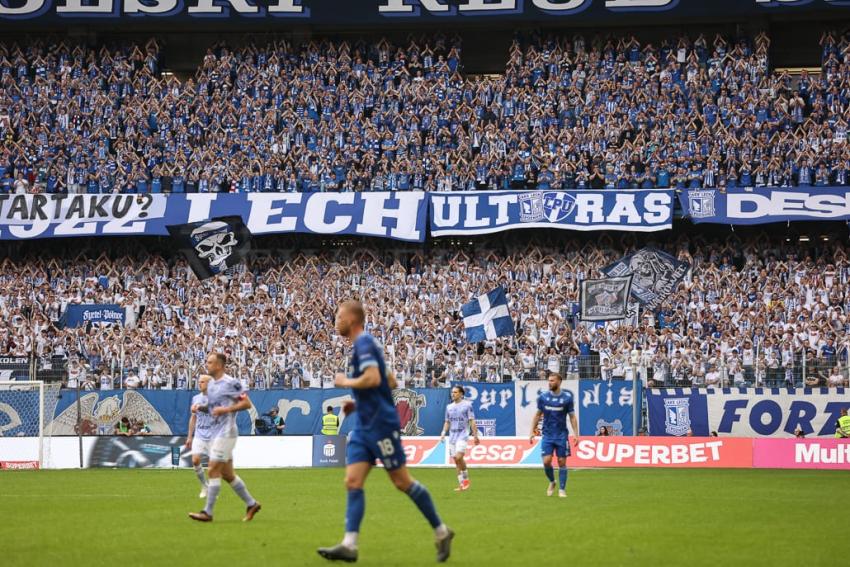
(460, 419)
(200, 431)
(225, 397)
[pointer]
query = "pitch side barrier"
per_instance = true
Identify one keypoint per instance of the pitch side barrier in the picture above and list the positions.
(164, 452)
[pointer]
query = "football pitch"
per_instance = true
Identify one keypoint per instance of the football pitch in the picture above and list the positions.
(611, 517)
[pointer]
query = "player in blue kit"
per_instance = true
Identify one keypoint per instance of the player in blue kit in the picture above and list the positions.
(376, 435)
(554, 406)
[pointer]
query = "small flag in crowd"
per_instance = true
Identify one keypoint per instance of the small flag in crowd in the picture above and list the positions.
(213, 246)
(487, 317)
(605, 300)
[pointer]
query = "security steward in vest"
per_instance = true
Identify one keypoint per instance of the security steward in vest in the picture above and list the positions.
(330, 423)
(842, 429)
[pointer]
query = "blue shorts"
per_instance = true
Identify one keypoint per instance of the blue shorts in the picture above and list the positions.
(381, 445)
(558, 446)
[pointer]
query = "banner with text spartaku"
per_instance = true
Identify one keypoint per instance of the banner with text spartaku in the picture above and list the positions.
(484, 212)
(398, 215)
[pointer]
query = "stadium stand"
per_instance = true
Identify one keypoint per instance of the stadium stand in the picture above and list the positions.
(332, 115)
(758, 310)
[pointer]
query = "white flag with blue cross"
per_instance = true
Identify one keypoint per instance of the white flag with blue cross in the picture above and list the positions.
(486, 317)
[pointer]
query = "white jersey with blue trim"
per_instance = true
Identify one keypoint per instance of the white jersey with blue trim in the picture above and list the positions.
(224, 392)
(203, 419)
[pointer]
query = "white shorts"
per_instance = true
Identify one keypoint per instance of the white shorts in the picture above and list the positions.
(201, 446)
(221, 449)
(458, 446)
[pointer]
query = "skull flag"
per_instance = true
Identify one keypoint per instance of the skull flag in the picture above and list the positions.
(213, 246)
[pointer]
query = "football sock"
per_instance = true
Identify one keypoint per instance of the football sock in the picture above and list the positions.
(350, 539)
(213, 487)
(550, 473)
(354, 510)
(420, 496)
(460, 478)
(199, 472)
(562, 477)
(239, 488)
(465, 474)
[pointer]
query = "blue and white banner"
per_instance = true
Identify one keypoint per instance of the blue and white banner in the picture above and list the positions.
(486, 317)
(677, 412)
(746, 412)
(485, 212)
(493, 405)
(400, 215)
(762, 412)
(762, 206)
(79, 315)
(609, 404)
(392, 13)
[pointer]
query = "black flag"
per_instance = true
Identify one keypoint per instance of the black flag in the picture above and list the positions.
(605, 300)
(213, 246)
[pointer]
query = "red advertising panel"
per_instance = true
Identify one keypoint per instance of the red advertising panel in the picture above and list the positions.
(689, 452)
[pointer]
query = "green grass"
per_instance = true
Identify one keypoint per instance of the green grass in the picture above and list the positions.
(656, 517)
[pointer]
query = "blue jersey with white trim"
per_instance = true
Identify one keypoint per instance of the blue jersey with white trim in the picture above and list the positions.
(555, 408)
(375, 406)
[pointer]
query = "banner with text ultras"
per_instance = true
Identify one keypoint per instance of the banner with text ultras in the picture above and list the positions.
(484, 212)
(399, 215)
(746, 412)
(762, 206)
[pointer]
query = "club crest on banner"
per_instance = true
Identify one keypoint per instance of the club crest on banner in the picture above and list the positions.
(551, 206)
(677, 417)
(531, 207)
(701, 204)
(557, 206)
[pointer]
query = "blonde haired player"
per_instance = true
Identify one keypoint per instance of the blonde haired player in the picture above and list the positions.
(459, 420)
(225, 397)
(200, 431)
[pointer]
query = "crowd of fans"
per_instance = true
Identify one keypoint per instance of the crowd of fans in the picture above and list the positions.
(759, 311)
(568, 112)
